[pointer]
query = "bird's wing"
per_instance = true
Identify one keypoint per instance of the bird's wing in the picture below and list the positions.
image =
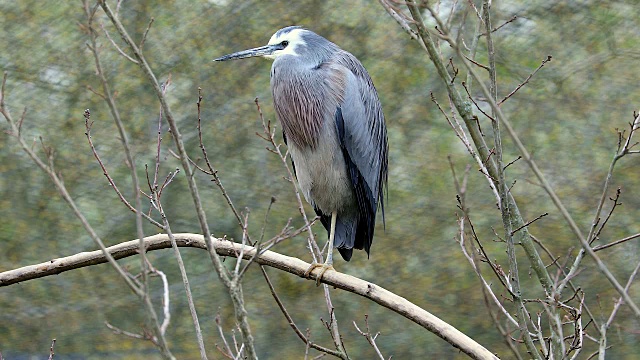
(363, 134)
(363, 138)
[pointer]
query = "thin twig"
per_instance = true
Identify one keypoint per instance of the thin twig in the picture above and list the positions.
(226, 351)
(88, 124)
(460, 133)
(285, 234)
(59, 184)
(512, 19)
(264, 223)
(146, 32)
(606, 219)
(513, 162)
(371, 339)
(616, 307)
(464, 85)
(476, 268)
(51, 353)
(485, 67)
(212, 171)
(109, 98)
(183, 274)
(245, 224)
(118, 331)
(623, 148)
(549, 57)
(400, 18)
(118, 47)
(528, 223)
(292, 323)
(613, 243)
(234, 289)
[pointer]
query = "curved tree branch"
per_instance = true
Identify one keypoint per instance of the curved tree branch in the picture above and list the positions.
(288, 264)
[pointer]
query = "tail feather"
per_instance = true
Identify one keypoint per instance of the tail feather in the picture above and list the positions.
(345, 253)
(348, 235)
(345, 238)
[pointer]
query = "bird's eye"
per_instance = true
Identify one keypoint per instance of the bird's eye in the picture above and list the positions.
(284, 43)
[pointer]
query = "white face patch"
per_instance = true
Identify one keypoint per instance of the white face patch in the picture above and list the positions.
(294, 37)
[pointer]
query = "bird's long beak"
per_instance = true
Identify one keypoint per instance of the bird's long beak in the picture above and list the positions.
(259, 51)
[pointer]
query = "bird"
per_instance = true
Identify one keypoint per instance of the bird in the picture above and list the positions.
(335, 130)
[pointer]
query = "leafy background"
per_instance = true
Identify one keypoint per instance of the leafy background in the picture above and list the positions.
(567, 116)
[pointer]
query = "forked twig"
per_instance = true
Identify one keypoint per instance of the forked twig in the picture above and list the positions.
(124, 54)
(144, 336)
(512, 19)
(88, 124)
(371, 339)
(606, 219)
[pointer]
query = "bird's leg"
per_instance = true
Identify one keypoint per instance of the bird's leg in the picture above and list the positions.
(328, 264)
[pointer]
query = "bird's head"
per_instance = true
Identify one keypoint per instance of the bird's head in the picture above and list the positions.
(284, 42)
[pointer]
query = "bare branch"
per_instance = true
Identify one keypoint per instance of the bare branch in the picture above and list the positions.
(534, 257)
(476, 268)
(606, 219)
(183, 274)
(461, 134)
(108, 97)
(623, 148)
(234, 288)
(284, 263)
(59, 184)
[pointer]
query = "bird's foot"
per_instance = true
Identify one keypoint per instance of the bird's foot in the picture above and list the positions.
(323, 268)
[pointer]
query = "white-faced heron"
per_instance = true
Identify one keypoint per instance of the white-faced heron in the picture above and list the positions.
(333, 124)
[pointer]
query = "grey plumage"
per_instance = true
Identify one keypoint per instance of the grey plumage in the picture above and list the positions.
(334, 126)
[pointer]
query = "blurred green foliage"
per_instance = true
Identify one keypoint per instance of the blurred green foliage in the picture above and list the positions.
(567, 116)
